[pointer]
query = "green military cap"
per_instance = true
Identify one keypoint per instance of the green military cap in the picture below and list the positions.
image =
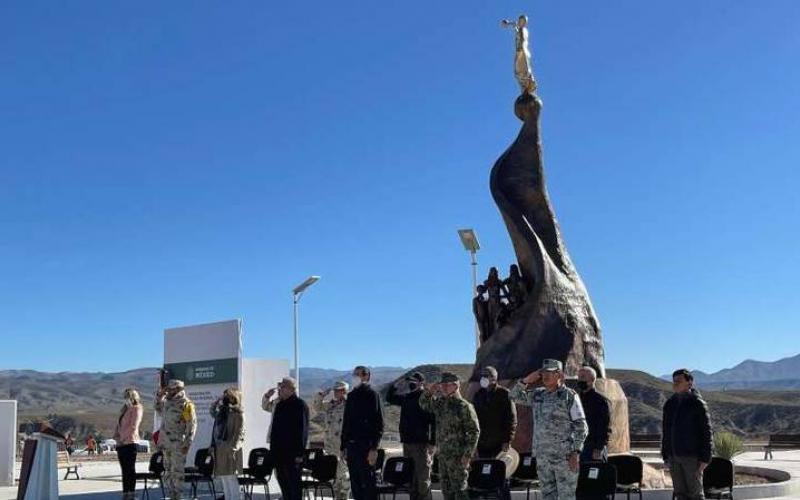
(552, 365)
(450, 378)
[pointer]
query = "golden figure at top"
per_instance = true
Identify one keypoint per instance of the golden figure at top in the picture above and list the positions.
(523, 70)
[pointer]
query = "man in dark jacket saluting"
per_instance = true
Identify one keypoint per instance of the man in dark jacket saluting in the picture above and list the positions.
(417, 432)
(287, 436)
(686, 437)
(362, 430)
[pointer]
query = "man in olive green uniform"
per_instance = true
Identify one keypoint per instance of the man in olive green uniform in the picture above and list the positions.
(457, 432)
(178, 425)
(333, 415)
(559, 429)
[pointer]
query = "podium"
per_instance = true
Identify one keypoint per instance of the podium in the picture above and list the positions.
(39, 474)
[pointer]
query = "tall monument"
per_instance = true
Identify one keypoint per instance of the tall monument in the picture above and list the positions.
(543, 309)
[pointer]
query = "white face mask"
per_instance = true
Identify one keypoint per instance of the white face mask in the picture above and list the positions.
(356, 382)
(484, 382)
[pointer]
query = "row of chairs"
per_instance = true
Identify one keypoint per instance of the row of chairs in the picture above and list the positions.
(621, 474)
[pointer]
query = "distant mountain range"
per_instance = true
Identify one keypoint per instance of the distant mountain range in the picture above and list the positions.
(753, 398)
(783, 374)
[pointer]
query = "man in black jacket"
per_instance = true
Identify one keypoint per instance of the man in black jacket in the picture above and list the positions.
(362, 429)
(598, 417)
(497, 415)
(417, 431)
(686, 440)
(287, 436)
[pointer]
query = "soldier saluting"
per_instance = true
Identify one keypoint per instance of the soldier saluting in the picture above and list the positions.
(178, 426)
(457, 433)
(559, 429)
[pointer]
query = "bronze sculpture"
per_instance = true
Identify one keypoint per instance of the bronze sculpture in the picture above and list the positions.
(547, 311)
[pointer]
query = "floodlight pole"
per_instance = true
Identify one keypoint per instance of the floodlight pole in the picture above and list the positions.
(474, 256)
(297, 292)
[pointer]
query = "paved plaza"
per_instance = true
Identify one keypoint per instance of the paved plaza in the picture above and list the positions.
(101, 481)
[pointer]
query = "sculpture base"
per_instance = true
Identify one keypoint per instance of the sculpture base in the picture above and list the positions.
(619, 442)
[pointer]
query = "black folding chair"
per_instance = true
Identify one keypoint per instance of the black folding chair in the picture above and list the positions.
(203, 471)
(154, 473)
(398, 474)
(718, 478)
(309, 456)
(321, 475)
(630, 470)
(379, 461)
(487, 478)
(596, 480)
(258, 471)
(526, 475)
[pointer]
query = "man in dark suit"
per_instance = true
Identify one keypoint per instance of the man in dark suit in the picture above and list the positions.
(362, 429)
(287, 436)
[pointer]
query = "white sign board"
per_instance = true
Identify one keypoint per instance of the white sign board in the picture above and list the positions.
(8, 441)
(258, 376)
(208, 358)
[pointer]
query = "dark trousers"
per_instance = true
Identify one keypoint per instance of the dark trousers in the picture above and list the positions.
(687, 480)
(422, 455)
(126, 455)
(362, 474)
(586, 455)
(287, 471)
(492, 452)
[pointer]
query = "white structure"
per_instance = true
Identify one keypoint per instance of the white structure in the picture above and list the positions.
(8, 441)
(43, 481)
(208, 358)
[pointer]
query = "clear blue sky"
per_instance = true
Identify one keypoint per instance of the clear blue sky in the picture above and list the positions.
(171, 163)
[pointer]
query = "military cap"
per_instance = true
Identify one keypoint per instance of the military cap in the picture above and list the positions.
(340, 385)
(288, 381)
(175, 384)
(417, 376)
(489, 371)
(450, 378)
(552, 365)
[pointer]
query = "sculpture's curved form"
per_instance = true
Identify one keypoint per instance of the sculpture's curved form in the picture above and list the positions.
(556, 318)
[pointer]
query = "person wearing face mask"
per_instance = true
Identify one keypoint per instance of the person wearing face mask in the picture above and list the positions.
(457, 432)
(559, 429)
(598, 417)
(227, 438)
(126, 435)
(417, 432)
(288, 435)
(497, 415)
(178, 427)
(362, 430)
(332, 411)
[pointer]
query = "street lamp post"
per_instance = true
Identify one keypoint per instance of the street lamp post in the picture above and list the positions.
(470, 241)
(297, 292)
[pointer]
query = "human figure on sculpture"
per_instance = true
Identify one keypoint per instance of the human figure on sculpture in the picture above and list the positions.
(598, 417)
(494, 304)
(515, 288)
(480, 307)
(559, 429)
(686, 437)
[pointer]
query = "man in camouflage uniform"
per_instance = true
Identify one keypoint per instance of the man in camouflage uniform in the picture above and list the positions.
(333, 414)
(559, 429)
(178, 425)
(457, 433)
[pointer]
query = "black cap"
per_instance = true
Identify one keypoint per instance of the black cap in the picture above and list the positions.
(450, 378)
(416, 376)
